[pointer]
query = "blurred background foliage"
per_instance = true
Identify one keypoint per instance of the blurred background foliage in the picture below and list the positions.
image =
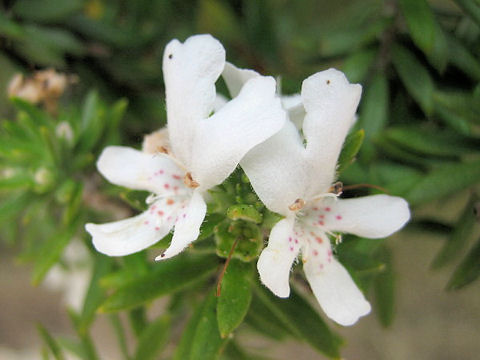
(419, 120)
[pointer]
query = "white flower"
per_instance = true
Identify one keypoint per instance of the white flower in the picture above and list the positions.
(204, 149)
(294, 180)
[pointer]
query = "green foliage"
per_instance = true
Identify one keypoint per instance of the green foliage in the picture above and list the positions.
(417, 136)
(296, 314)
(165, 278)
(235, 296)
(201, 339)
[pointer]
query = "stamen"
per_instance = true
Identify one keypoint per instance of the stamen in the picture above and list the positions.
(163, 150)
(188, 180)
(297, 205)
(336, 188)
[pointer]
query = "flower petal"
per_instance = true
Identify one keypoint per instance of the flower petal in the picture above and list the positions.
(276, 259)
(134, 234)
(375, 216)
(330, 102)
(222, 140)
(190, 71)
(235, 78)
(294, 107)
(336, 292)
(187, 226)
(276, 169)
(137, 170)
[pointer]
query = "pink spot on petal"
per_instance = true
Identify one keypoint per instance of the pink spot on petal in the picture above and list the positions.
(329, 252)
(160, 171)
(296, 241)
(169, 218)
(321, 223)
(321, 266)
(327, 209)
(170, 202)
(177, 177)
(338, 217)
(160, 213)
(146, 222)
(175, 188)
(157, 228)
(166, 186)
(315, 252)
(291, 248)
(184, 216)
(321, 216)
(319, 239)
(290, 239)
(315, 208)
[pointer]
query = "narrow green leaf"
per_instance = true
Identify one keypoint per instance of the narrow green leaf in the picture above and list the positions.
(51, 251)
(95, 294)
(298, 315)
(384, 286)
(168, 276)
(415, 77)
(462, 58)
(356, 66)
(46, 10)
(120, 334)
(461, 104)
(50, 342)
(235, 298)
(201, 340)
(138, 320)
(17, 181)
(350, 149)
(471, 8)
(420, 23)
(458, 237)
(264, 321)
(373, 114)
(443, 181)
(86, 347)
(468, 270)
(153, 339)
(93, 122)
(430, 141)
(12, 205)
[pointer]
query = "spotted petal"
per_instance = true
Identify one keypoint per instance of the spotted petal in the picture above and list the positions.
(223, 139)
(375, 216)
(336, 292)
(134, 234)
(137, 170)
(276, 259)
(190, 71)
(187, 226)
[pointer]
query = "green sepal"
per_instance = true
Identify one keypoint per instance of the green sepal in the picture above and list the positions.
(244, 212)
(248, 235)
